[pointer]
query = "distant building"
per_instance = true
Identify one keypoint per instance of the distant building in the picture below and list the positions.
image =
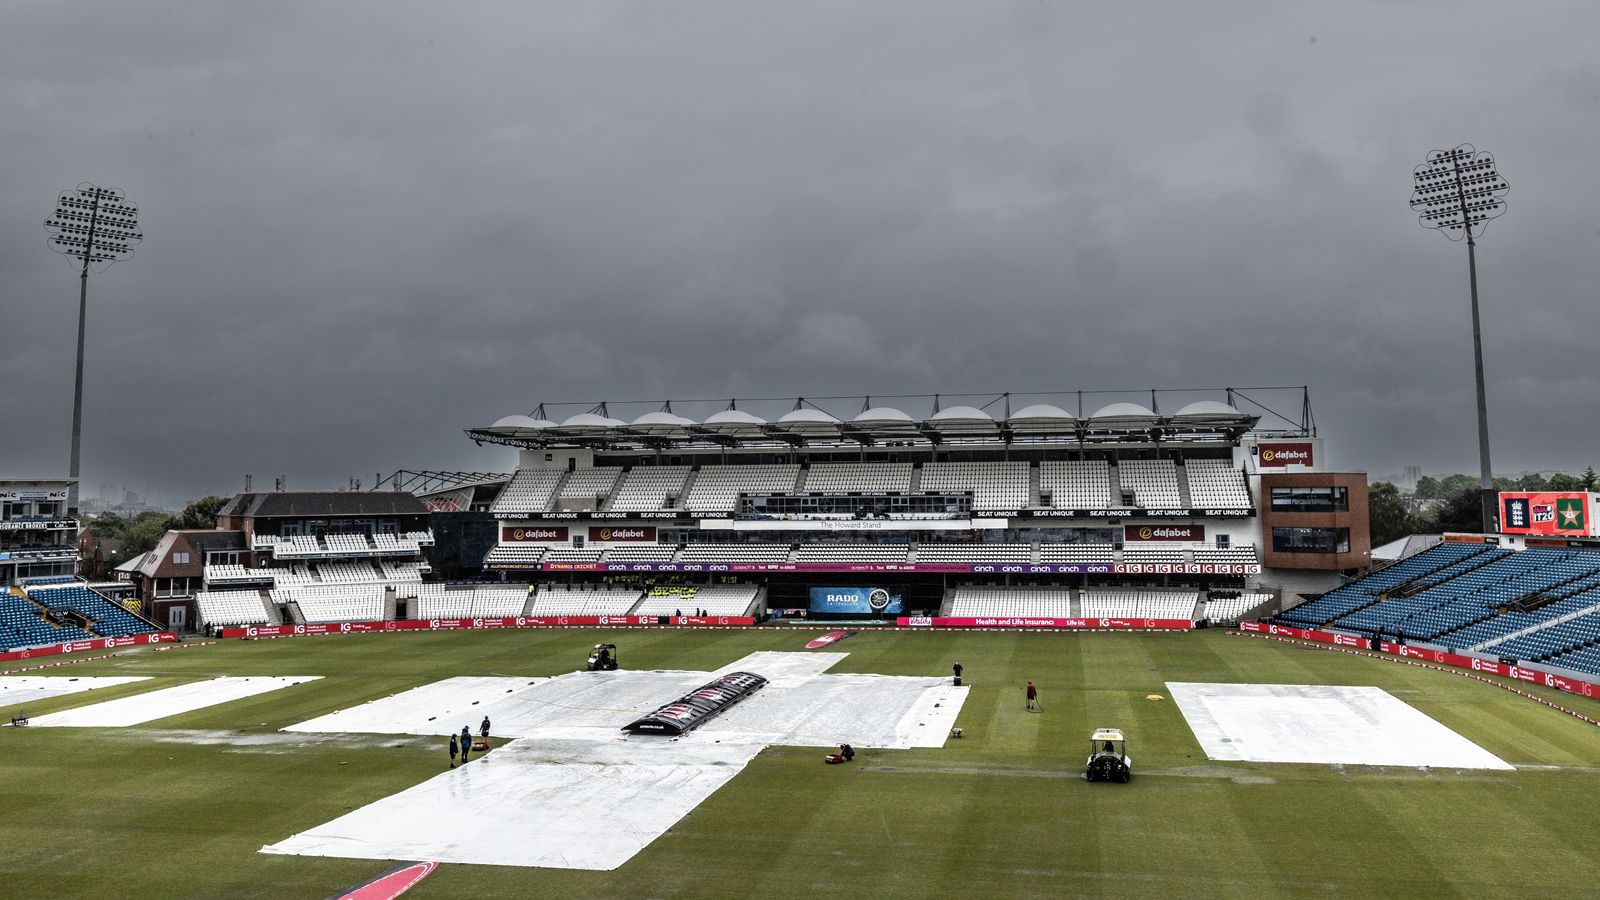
(36, 533)
(1409, 478)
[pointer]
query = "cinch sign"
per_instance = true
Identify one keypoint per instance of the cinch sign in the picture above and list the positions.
(1281, 455)
(534, 533)
(615, 533)
(1135, 533)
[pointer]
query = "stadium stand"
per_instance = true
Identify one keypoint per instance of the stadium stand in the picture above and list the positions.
(715, 599)
(1232, 556)
(646, 488)
(515, 554)
(1569, 600)
(1140, 604)
(987, 552)
(563, 600)
(335, 602)
(1225, 608)
(746, 553)
(528, 491)
(353, 572)
(572, 556)
(1465, 598)
(232, 608)
(717, 488)
(233, 572)
(1583, 658)
(1152, 555)
(1216, 483)
(1539, 604)
(1565, 638)
(106, 618)
(23, 624)
(1105, 554)
(850, 553)
(1012, 602)
(1365, 591)
(442, 601)
(1076, 484)
(585, 485)
(868, 478)
(993, 485)
(642, 553)
(1152, 482)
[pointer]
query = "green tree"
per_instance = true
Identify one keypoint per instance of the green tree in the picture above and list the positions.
(1589, 478)
(1452, 485)
(108, 525)
(145, 533)
(1532, 481)
(1462, 511)
(1427, 488)
(1561, 482)
(1387, 514)
(201, 513)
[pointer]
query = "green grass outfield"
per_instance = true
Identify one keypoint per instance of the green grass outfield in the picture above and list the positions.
(179, 807)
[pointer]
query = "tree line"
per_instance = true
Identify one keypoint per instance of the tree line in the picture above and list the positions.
(143, 532)
(1458, 509)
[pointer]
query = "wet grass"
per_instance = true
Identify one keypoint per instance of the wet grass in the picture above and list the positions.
(179, 807)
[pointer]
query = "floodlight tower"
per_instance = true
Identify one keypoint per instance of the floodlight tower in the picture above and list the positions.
(1457, 192)
(96, 226)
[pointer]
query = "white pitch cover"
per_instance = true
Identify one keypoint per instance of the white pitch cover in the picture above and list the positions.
(172, 701)
(572, 791)
(1300, 723)
(16, 689)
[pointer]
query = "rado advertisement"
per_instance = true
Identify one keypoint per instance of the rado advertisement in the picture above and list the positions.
(872, 601)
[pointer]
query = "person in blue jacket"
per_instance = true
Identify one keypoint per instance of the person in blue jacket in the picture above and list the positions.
(466, 743)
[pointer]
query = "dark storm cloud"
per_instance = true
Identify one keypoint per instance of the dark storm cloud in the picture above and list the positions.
(371, 225)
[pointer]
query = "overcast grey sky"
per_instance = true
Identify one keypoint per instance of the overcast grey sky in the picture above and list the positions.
(373, 224)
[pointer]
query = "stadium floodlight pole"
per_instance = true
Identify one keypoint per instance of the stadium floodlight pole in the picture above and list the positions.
(1457, 192)
(96, 226)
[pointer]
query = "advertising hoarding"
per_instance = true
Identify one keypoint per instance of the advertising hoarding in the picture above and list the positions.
(1135, 533)
(1566, 513)
(519, 533)
(870, 601)
(1283, 454)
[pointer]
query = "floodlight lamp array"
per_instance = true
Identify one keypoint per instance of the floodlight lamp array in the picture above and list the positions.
(94, 225)
(1458, 191)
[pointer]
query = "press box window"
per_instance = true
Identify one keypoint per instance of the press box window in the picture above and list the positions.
(1311, 540)
(1310, 499)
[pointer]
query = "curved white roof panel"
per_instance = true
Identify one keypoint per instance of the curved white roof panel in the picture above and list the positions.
(884, 415)
(522, 422)
(967, 414)
(590, 420)
(662, 420)
(1209, 409)
(806, 415)
(1122, 411)
(1042, 412)
(734, 417)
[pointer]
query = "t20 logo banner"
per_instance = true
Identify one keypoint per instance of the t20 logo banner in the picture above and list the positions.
(1546, 512)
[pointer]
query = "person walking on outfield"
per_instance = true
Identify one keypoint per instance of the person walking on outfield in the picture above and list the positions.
(1033, 697)
(466, 743)
(484, 728)
(452, 750)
